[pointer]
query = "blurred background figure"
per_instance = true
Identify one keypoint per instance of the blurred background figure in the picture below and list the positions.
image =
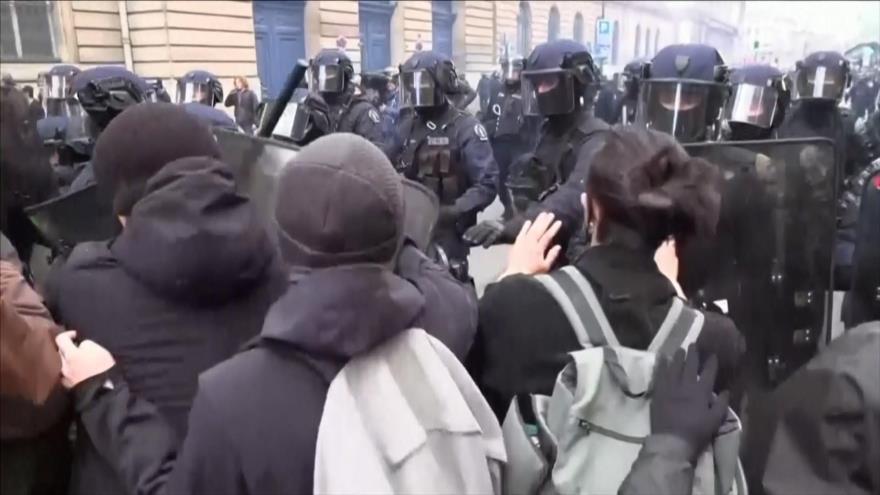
(245, 103)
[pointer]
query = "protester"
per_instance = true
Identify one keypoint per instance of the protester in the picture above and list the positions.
(185, 284)
(35, 107)
(343, 300)
(245, 102)
(33, 406)
(643, 188)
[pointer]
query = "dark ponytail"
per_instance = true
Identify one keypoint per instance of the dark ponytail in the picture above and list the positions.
(645, 181)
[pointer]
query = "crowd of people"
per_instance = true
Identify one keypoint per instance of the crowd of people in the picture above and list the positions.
(189, 346)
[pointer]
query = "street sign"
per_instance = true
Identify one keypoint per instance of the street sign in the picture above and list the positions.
(604, 38)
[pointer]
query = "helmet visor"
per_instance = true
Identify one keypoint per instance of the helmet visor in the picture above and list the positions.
(512, 70)
(752, 104)
(194, 92)
(417, 89)
(326, 79)
(76, 121)
(547, 92)
(820, 82)
(55, 86)
(674, 107)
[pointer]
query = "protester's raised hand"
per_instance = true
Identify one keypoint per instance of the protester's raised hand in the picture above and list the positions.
(81, 362)
(530, 254)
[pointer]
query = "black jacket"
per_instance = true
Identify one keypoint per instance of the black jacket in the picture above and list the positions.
(245, 102)
(187, 282)
(254, 423)
(524, 337)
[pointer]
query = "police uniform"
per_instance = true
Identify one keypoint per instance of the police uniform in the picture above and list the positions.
(451, 155)
(511, 133)
(332, 103)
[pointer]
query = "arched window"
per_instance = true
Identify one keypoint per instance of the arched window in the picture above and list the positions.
(524, 28)
(647, 42)
(638, 41)
(579, 28)
(553, 24)
(656, 41)
(615, 43)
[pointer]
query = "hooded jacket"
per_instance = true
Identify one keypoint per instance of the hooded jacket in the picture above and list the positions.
(186, 283)
(325, 318)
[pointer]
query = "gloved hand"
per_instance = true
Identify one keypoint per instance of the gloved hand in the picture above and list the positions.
(683, 404)
(319, 112)
(490, 232)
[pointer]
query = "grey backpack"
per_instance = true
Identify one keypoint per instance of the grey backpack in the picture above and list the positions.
(584, 438)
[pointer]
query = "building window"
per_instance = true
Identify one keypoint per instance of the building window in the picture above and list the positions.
(27, 29)
(553, 24)
(579, 28)
(638, 41)
(442, 20)
(524, 28)
(648, 42)
(615, 43)
(656, 41)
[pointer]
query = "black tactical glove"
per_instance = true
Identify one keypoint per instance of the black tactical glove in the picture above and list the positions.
(683, 404)
(319, 112)
(490, 232)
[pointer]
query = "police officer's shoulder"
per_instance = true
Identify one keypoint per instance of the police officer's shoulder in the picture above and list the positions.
(363, 107)
(470, 127)
(90, 255)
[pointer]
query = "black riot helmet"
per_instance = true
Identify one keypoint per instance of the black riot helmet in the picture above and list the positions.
(199, 86)
(56, 87)
(330, 72)
(682, 92)
(511, 69)
(757, 103)
(559, 77)
(426, 79)
(631, 76)
(821, 76)
(103, 93)
(376, 86)
(156, 91)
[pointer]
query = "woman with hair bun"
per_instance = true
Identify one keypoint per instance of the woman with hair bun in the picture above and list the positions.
(643, 190)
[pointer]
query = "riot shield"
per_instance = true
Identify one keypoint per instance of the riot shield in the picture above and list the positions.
(79, 216)
(257, 162)
(770, 265)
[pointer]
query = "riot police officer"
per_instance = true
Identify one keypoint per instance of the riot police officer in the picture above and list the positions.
(102, 93)
(630, 77)
(682, 92)
(156, 91)
(380, 90)
(609, 99)
(332, 104)
(55, 88)
(511, 132)
(558, 83)
(446, 149)
(199, 86)
(757, 104)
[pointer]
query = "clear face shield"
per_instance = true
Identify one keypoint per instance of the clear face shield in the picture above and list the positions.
(417, 89)
(676, 107)
(752, 104)
(54, 86)
(193, 92)
(77, 121)
(819, 83)
(511, 71)
(548, 92)
(326, 79)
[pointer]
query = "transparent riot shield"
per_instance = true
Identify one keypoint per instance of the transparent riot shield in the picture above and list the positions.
(80, 216)
(770, 266)
(257, 163)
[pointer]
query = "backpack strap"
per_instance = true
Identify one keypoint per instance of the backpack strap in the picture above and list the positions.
(681, 327)
(573, 293)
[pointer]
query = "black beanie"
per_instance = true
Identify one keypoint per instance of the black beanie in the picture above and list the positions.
(139, 142)
(339, 202)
